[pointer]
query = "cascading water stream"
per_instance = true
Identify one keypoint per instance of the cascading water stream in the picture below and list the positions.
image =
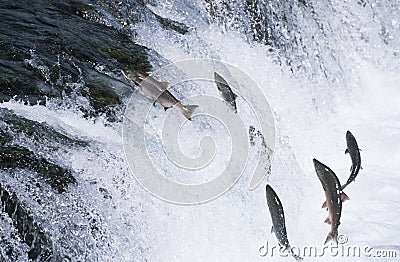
(325, 67)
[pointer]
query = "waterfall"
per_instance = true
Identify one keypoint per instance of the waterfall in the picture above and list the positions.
(305, 72)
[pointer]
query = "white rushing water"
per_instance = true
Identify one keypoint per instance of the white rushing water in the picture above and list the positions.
(345, 75)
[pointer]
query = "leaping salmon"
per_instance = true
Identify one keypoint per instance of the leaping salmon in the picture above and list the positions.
(226, 91)
(354, 151)
(278, 220)
(158, 92)
(334, 197)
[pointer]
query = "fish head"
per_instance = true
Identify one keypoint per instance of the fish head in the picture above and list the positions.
(270, 193)
(220, 82)
(136, 76)
(349, 135)
(319, 167)
(273, 201)
(217, 77)
(132, 76)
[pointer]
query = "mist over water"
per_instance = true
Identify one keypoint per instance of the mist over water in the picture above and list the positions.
(325, 68)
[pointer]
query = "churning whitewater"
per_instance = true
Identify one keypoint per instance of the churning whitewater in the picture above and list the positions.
(68, 187)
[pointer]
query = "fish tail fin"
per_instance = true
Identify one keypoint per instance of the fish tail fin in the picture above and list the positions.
(187, 110)
(333, 235)
(297, 257)
(294, 255)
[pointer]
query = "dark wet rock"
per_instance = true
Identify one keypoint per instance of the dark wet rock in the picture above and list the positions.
(70, 53)
(102, 97)
(55, 50)
(5, 137)
(48, 47)
(29, 231)
(57, 177)
(16, 125)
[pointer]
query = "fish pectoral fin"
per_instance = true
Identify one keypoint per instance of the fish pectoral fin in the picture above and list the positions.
(344, 197)
(346, 151)
(328, 221)
(272, 230)
(324, 204)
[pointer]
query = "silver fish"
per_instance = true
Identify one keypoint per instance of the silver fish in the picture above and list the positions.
(226, 91)
(158, 92)
(278, 220)
(334, 195)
